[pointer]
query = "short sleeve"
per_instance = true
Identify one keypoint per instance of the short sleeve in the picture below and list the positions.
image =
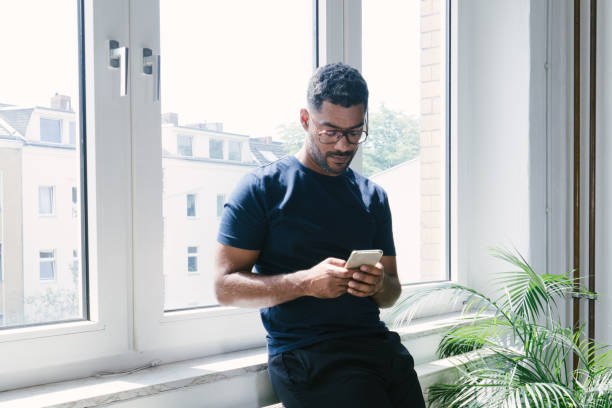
(244, 221)
(384, 228)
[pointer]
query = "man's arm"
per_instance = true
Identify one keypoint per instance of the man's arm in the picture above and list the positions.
(236, 285)
(379, 281)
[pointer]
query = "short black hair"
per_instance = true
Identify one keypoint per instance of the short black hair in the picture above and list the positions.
(339, 84)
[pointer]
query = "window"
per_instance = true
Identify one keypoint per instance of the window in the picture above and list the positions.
(47, 265)
(220, 204)
(72, 135)
(46, 204)
(185, 145)
(235, 150)
(75, 197)
(192, 259)
(408, 118)
(191, 205)
(215, 149)
(50, 130)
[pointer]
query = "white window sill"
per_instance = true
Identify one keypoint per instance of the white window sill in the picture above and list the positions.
(239, 379)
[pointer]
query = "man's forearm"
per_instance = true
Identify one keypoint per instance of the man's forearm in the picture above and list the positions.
(247, 289)
(390, 292)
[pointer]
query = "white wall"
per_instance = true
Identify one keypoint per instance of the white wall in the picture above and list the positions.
(494, 143)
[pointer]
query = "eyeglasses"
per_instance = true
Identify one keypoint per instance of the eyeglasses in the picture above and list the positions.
(353, 136)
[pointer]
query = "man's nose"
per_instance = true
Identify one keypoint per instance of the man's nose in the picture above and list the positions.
(344, 145)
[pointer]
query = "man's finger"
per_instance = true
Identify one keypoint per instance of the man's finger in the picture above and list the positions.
(357, 293)
(366, 277)
(361, 287)
(373, 270)
(336, 261)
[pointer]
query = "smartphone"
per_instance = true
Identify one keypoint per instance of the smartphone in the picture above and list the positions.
(363, 257)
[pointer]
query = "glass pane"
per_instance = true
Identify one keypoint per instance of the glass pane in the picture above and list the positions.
(47, 270)
(247, 81)
(50, 130)
(184, 145)
(191, 210)
(39, 162)
(235, 151)
(406, 150)
(216, 149)
(45, 200)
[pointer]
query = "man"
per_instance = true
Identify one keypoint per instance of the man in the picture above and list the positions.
(296, 221)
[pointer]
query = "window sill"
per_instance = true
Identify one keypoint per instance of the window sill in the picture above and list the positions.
(233, 379)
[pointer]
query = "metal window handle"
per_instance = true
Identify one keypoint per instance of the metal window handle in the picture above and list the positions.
(118, 58)
(148, 60)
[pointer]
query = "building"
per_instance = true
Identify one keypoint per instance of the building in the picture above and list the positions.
(40, 226)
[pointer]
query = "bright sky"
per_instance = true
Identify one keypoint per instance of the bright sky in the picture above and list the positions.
(241, 62)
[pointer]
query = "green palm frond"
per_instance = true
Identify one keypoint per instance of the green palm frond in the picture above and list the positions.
(520, 350)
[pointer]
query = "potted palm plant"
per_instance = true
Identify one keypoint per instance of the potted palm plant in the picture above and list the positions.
(520, 354)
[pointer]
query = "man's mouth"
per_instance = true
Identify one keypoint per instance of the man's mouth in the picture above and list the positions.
(340, 159)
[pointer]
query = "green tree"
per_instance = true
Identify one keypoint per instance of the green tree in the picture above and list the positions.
(393, 139)
(292, 135)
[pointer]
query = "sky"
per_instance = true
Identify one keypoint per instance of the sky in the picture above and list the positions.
(241, 62)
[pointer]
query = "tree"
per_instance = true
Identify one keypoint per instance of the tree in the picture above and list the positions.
(393, 139)
(292, 135)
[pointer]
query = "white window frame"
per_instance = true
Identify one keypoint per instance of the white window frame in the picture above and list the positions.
(81, 348)
(51, 260)
(127, 325)
(1, 261)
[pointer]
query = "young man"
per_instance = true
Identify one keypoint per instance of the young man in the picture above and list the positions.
(296, 221)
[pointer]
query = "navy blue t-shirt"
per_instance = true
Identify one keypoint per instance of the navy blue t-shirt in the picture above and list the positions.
(297, 218)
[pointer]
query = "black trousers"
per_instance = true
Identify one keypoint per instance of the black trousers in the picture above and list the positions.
(374, 371)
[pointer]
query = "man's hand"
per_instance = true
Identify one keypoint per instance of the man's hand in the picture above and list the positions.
(327, 279)
(367, 280)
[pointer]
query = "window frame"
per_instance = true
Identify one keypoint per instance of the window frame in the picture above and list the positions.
(231, 143)
(52, 260)
(81, 346)
(122, 244)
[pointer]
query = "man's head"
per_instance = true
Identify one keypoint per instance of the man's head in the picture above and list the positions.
(337, 102)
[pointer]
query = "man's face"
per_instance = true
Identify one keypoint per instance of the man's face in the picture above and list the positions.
(333, 158)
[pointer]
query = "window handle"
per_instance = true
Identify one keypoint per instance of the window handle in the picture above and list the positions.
(118, 58)
(148, 60)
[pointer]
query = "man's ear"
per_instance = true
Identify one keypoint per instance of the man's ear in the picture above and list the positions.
(304, 118)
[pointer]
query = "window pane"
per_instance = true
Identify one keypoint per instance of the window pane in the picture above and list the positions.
(216, 149)
(45, 200)
(220, 204)
(235, 150)
(406, 150)
(40, 162)
(184, 145)
(246, 83)
(47, 266)
(191, 203)
(51, 130)
(72, 135)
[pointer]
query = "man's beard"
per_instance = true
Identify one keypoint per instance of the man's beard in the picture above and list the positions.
(321, 159)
